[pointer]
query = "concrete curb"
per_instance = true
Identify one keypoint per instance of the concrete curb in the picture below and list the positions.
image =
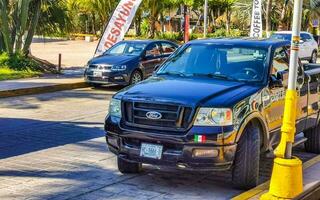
(42, 89)
(265, 186)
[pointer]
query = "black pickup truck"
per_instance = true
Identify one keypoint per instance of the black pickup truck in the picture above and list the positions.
(215, 104)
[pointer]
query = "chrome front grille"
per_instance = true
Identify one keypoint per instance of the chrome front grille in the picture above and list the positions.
(173, 117)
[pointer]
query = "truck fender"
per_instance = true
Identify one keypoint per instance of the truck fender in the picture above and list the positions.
(265, 131)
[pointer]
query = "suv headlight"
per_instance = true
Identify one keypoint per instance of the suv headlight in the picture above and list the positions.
(214, 117)
(115, 108)
(117, 68)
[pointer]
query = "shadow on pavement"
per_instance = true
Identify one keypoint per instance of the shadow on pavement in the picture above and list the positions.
(21, 136)
(23, 102)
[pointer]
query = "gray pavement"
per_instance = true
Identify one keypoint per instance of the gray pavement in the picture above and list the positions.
(68, 77)
(52, 147)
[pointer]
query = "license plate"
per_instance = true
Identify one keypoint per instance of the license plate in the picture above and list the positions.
(97, 74)
(151, 151)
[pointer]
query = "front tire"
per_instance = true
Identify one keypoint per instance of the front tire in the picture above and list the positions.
(312, 145)
(136, 77)
(314, 57)
(126, 167)
(245, 173)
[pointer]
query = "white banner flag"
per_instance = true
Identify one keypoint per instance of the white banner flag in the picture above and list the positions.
(118, 25)
(256, 19)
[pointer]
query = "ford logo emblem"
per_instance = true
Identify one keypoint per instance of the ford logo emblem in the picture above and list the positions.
(153, 115)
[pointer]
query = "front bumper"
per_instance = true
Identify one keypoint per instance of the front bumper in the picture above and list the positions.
(177, 150)
(120, 78)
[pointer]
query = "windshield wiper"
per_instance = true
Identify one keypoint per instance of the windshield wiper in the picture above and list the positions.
(220, 76)
(172, 73)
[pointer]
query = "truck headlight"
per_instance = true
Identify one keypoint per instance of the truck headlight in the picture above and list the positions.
(115, 108)
(214, 117)
(117, 68)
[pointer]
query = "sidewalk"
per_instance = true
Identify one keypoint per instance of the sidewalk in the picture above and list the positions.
(70, 79)
(311, 176)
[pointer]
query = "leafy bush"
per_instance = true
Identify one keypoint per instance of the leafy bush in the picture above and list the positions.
(172, 36)
(18, 62)
(220, 33)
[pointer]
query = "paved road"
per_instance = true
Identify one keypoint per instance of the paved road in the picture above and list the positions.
(52, 147)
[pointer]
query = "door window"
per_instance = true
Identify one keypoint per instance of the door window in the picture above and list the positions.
(280, 65)
(167, 48)
(153, 50)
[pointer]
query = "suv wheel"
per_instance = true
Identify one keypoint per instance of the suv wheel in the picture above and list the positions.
(126, 167)
(136, 77)
(314, 57)
(245, 173)
(312, 145)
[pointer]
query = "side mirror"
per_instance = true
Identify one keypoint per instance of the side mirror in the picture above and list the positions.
(275, 83)
(301, 41)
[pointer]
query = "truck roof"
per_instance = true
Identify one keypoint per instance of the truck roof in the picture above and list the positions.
(248, 42)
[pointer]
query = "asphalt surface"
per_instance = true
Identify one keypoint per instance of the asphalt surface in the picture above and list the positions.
(52, 147)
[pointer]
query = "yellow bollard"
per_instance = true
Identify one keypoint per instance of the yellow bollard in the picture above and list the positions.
(286, 181)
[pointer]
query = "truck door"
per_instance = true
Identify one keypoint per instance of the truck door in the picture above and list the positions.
(274, 97)
(303, 88)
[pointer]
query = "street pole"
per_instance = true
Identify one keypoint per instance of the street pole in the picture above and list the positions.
(286, 180)
(186, 24)
(205, 18)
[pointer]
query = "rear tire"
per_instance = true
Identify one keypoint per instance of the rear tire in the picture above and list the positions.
(314, 57)
(245, 173)
(126, 167)
(312, 145)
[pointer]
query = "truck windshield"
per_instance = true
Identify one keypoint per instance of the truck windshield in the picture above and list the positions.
(126, 48)
(221, 62)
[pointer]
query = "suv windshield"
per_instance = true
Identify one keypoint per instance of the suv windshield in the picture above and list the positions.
(221, 62)
(126, 48)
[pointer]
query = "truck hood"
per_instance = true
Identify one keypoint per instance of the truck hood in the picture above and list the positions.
(189, 91)
(113, 59)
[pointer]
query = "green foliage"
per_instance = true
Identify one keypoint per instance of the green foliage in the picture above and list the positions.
(54, 18)
(10, 74)
(175, 37)
(222, 33)
(18, 62)
(17, 66)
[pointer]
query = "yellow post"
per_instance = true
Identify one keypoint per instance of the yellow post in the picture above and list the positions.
(286, 180)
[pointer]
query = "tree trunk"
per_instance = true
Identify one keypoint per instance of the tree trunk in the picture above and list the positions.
(268, 17)
(162, 21)
(152, 27)
(282, 25)
(32, 26)
(23, 8)
(5, 26)
(93, 23)
(138, 25)
(2, 48)
(228, 13)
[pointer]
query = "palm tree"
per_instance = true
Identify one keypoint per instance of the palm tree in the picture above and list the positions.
(16, 19)
(268, 17)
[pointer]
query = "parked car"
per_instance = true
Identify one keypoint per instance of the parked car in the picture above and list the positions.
(128, 62)
(308, 45)
(213, 105)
